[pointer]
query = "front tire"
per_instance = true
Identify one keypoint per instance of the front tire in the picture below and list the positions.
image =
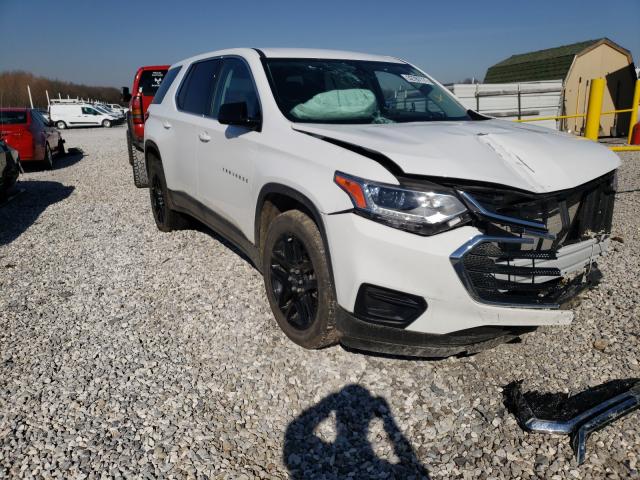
(166, 219)
(106, 123)
(298, 282)
(61, 149)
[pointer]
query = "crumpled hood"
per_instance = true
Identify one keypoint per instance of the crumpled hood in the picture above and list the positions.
(530, 158)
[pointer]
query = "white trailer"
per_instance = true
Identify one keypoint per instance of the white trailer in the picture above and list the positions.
(513, 101)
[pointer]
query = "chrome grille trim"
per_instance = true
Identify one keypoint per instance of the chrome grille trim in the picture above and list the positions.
(480, 210)
(457, 258)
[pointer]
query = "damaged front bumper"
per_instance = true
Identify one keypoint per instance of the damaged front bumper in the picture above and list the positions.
(519, 262)
(577, 416)
(536, 251)
(496, 273)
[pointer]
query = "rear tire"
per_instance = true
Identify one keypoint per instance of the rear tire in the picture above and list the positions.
(106, 123)
(129, 148)
(60, 125)
(166, 218)
(48, 157)
(298, 282)
(138, 165)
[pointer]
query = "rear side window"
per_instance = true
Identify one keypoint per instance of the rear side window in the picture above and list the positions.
(195, 91)
(166, 83)
(12, 117)
(150, 81)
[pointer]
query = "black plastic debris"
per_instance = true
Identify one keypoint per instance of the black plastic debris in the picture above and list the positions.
(578, 415)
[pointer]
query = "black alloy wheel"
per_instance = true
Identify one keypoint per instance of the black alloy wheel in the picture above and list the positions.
(166, 218)
(298, 281)
(293, 281)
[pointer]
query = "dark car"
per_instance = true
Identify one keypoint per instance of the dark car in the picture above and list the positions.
(9, 168)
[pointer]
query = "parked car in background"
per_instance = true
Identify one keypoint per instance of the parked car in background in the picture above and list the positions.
(382, 213)
(9, 168)
(118, 108)
(77, 114)
(44, 112)
(33, 136)
(146, 82)
(107, 111)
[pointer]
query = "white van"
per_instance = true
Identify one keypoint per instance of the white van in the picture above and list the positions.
(79, 115)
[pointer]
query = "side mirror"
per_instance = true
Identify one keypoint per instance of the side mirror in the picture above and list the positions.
(237, 114)
(126, 95)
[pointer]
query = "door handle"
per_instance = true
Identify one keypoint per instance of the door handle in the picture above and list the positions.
(166, 125)
(204, 137)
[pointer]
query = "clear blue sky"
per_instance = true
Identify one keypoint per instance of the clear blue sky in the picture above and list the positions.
(103, 42)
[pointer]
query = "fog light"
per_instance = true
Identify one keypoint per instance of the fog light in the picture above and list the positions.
(388, 307)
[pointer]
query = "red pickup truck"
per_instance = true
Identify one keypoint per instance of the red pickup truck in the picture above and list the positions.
(145, 84)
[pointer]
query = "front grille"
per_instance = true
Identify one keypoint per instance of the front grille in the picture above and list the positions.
(496, 273)
(536, 250)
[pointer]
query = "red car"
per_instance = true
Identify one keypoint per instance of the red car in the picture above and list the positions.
(32, 135)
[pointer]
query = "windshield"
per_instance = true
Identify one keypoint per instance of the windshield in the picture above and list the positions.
(356, 91)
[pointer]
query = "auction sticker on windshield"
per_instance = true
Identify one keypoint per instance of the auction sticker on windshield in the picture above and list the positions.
(416, 79)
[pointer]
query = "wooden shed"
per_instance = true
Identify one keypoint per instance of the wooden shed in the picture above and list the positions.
(575, 65)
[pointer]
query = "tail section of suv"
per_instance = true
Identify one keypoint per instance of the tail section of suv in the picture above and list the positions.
(381, 213)
(146, 83)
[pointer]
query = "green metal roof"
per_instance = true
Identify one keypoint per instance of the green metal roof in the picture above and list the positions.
(549, 64)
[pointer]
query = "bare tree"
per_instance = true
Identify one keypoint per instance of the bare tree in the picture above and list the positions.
(13, 90)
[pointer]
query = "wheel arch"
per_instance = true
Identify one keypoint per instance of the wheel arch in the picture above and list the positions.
(151, 147)
(275, 198)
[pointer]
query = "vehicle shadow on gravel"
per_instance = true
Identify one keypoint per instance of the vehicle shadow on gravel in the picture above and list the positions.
(198, 226)
(351, 454)
(71, 157)
(22, 212)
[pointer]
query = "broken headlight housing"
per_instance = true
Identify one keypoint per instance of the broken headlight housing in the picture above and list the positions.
(424, 211)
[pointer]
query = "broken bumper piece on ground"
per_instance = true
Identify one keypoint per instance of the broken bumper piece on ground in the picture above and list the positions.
(577, 416)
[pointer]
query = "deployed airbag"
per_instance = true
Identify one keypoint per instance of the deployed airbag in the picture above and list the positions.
(337, 105)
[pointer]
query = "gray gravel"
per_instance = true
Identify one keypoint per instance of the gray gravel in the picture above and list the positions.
(126, 352)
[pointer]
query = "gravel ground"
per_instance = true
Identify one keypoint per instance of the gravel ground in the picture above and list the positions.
(126, 352)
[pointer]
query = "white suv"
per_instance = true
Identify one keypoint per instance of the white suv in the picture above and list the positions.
(382, 213)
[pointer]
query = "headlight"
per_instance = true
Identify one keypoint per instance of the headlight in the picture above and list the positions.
(425, 212)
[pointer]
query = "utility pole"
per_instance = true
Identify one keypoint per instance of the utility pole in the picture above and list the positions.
(48, 101)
